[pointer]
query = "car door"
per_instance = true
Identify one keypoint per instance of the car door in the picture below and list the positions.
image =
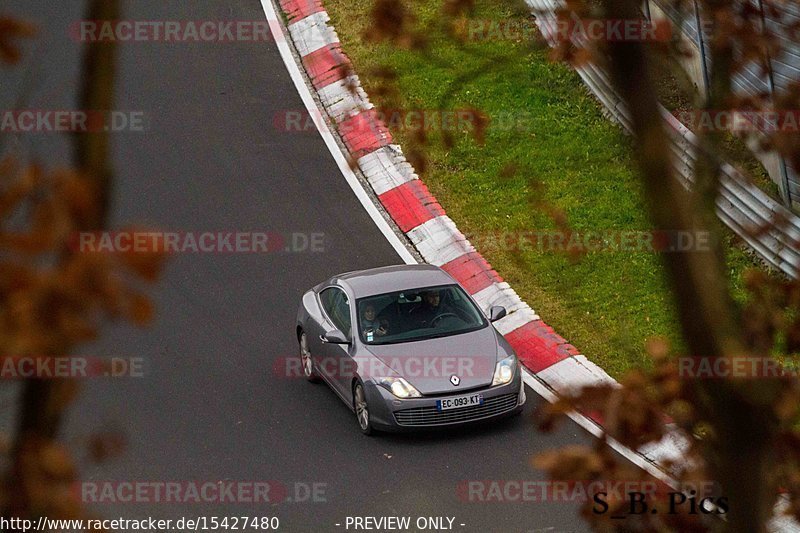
(337, 363)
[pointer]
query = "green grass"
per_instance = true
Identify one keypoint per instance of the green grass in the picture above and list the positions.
(570, 158)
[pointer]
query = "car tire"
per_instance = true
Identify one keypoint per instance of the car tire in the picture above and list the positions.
(306, 360)
(361, 409)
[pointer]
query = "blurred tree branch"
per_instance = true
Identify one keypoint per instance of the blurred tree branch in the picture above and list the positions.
(55, 296)
(740, 417)
(41, 412)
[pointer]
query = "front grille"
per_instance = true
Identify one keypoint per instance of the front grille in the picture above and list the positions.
(460, 391)
(430, 416)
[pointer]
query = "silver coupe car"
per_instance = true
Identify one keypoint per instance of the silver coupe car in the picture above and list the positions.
(405, 347)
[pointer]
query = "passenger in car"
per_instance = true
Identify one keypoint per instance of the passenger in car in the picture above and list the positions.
(371, 324)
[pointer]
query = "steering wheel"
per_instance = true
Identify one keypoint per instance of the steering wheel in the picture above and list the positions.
(443, 315)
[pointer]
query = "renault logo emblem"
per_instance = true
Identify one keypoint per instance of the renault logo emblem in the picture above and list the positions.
(455, 380)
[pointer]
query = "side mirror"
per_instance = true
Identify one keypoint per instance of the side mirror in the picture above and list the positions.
(334, 336)
(496, 313)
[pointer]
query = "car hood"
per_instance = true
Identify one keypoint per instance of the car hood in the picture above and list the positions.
(430, 364)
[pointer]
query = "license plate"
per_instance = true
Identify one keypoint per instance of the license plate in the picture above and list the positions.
(460, 401)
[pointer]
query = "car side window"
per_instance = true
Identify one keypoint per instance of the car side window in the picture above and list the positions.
(326, 297)
(342, 314)
(334, 302)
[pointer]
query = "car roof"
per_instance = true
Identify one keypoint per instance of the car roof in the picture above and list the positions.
(393, 278)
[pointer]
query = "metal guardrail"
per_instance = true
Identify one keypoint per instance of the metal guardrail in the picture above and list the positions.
(770, 229)
(783, 68)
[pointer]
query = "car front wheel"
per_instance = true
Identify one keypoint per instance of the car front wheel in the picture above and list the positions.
(305, 359)
(362, 409)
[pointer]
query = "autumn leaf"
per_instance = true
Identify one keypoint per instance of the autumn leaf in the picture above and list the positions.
(11, 30)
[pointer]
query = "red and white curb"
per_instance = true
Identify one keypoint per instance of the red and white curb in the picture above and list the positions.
(557, 365)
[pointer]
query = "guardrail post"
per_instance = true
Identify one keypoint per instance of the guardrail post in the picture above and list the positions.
(701, 42)
(786, 193)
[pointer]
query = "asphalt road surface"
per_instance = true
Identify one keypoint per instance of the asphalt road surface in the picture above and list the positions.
(211, 405)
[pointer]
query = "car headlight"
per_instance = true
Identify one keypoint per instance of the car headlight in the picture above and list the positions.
(504, 370)
(399, 387)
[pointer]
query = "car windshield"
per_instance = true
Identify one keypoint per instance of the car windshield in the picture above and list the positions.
(417, 314)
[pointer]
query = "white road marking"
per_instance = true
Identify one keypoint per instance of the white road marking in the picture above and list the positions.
(592, 427)
(330, 142)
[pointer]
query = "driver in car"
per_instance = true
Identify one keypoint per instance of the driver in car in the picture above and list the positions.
(424, 314)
